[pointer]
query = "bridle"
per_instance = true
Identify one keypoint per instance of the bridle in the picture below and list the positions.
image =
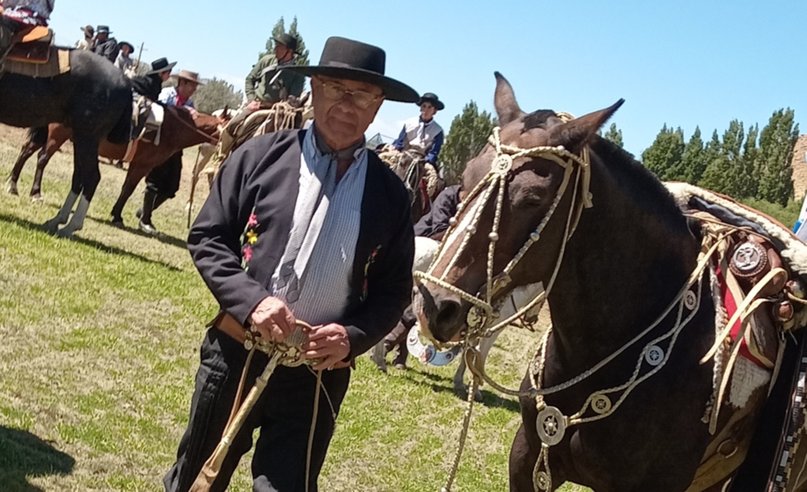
(576, 169)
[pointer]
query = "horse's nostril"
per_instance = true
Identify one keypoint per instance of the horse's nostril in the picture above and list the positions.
(448, 312)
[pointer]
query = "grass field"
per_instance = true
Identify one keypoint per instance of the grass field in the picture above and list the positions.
(100, 338)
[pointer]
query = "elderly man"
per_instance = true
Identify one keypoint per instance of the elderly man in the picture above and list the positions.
(300, 224)
(162, 182)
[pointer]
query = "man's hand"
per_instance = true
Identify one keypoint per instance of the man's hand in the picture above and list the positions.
(329, 344)
(253, 105)
(272, 319)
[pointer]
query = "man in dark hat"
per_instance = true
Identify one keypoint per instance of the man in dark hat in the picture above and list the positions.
(151, 83)
(162, 183)
(421, 134)
(300, 224)
(124, 60)
(105, 45)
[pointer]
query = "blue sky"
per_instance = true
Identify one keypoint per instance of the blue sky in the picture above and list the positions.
(683, 63)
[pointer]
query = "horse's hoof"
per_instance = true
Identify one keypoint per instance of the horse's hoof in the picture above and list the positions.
(51, 226)
(11, 187)
(117, 222)
(37, 198)
(478, 396)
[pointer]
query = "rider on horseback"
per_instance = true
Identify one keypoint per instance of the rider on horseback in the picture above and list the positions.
(423, 137)
(18, 17)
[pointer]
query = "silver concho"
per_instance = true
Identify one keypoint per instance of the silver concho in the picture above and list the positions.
(502, 164)
(654, 355)
(748, 259)
(551, 426)
(601, 404)
(248, 344)
(542, 481)
(690, 300)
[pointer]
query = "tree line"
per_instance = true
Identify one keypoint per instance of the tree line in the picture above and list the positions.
(750, 164)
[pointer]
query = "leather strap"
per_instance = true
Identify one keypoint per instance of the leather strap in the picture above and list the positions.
(230, 326)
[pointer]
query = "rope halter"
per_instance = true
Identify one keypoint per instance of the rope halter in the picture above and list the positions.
(470, 213)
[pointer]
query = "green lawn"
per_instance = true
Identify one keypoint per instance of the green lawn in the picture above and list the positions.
(100, 343)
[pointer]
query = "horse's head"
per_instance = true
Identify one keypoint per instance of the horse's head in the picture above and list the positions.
(529, 183)
(208, 124)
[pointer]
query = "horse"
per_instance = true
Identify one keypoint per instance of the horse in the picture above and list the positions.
(409, 167)
(611, 401)
(94, 99)
(179, 130)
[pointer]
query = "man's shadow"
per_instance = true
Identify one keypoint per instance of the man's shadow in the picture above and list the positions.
(24, 455)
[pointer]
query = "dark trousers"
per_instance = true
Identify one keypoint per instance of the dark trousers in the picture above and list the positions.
(164, 179)
(283, 414)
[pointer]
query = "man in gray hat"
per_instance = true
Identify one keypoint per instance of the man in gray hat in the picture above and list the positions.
(300, 224)
(88, 43)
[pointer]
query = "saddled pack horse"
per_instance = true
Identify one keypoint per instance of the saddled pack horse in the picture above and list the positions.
(94, 99)
(675, 311)
(178, 131)
(409, 167)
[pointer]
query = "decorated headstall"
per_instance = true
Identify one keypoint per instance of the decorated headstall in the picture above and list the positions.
(493, 187)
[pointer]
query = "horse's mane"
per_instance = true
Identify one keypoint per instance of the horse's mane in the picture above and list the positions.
(649, 192)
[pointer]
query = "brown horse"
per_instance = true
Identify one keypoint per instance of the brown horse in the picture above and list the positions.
(611, 401)
(179, 130)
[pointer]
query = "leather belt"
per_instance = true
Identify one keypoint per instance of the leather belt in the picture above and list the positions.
(230, 326)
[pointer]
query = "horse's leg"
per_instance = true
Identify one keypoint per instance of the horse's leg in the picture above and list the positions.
(31, 145)
(459, 377)
(54, 142)
(134, 174)
(85, 149)
(523, 456)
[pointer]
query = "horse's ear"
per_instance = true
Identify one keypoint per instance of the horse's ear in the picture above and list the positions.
(505, 101)
(575, 134)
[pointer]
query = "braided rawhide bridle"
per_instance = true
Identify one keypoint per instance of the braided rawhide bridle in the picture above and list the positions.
(483, 309)
(496, 179)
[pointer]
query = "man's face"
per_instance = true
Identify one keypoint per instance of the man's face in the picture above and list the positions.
(102, 36)
(427, 111)
(186, 88)
(125, 50)
(282, 52)
(344, 109)
(165, 75)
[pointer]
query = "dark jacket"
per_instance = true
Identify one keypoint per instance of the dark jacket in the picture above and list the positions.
(443, 208)
(108, 49)
(263, 176)
(148, 85)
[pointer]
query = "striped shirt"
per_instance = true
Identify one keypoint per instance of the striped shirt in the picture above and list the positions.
(325, 283)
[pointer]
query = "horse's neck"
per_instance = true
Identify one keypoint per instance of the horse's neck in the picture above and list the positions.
(622, 268)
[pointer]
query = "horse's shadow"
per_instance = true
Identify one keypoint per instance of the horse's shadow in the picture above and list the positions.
(25, 455)
(440, 384)
(33, 226)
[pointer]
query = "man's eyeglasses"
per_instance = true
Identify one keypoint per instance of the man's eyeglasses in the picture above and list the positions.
(335, 92)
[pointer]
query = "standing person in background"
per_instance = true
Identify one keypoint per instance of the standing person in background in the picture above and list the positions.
(124, 61)
(19, 17)
(105, 45)
(300, 224)
(88, 43)
(162, 182)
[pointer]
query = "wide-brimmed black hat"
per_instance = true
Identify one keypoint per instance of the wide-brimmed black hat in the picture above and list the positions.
(353, 60)
(431, 97)
(131, 47)
(286, 40)
(102, 29)
(160, 65)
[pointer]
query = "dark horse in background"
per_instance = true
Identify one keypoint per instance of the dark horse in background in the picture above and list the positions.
(179, 130)
(608, 281)
(94, 99)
